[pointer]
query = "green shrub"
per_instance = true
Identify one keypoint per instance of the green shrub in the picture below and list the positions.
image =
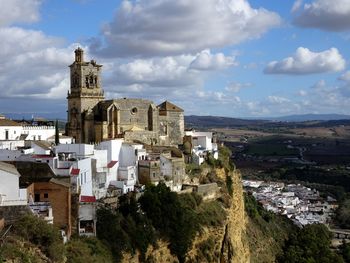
(310, 244)
(211, 214)
(87, 250)
(38, 232)
(175, 221)
(229, 186)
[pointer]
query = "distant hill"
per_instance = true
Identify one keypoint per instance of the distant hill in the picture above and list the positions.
(311, 117)
(219, 122)
(293, 121)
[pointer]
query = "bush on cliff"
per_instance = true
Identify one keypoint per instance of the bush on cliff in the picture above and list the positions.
(38, 232)
(175, 221)
(310, 244)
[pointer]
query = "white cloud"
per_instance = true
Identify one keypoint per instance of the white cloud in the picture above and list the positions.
(297, 4)
(207, 61)
(19, 11)
(33, 64)
(329, 15)
(305, 61)
(168, 27)
(345, 76)
(236, 86)
(277, 100)
(302, 93)
(156, 72)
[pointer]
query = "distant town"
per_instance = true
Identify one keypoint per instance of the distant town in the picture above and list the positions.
(301, 204)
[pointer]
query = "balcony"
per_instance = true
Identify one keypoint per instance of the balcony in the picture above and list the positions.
(43, 210)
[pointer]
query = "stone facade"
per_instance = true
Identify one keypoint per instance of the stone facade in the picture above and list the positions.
(93, 119)
(149, 172)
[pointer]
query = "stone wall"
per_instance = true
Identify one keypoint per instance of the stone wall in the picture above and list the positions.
(175, 124)
(149, 172)
(12, 213)
(147, 137)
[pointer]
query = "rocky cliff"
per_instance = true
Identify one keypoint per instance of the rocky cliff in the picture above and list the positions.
(235, 247)
(225, 243)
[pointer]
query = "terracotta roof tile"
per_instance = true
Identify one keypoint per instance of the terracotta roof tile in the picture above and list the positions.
(168, 106)
(111, 164)
(87, 199)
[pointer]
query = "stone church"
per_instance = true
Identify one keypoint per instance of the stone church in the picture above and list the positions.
(92, 119)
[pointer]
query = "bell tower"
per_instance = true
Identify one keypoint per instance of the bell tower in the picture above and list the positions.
(84, 94)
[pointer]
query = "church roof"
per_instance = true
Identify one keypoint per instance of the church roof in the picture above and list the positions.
(168, 106)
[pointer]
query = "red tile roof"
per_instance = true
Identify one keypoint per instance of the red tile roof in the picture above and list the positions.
(111, 164)
(75, 171)
(87, 199)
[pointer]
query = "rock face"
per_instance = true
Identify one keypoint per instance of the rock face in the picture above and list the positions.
(224, 244)
(235, 247)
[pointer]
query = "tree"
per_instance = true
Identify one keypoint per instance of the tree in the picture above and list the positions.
(57, 135)
(310, 245)
(175, 221)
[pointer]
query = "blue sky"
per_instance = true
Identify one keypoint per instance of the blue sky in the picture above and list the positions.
(236, 58)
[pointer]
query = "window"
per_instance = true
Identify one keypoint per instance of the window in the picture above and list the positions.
(154, 174)
(134, 110)
(46, 195)
(37, 197)
(6, 134)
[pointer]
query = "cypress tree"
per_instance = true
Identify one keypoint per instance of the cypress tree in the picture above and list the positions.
(57, 136)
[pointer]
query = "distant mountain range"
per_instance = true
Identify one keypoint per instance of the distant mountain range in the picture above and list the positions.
(311, 117)
(292, 120)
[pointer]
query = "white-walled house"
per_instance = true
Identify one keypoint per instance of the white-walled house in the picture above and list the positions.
(80, 150)
(14, 131)
(123, 157)
(87, 216)
(103, 170)
(37, 132)
(9, 130)
(113, 148)
(10, 193)
(202, 144)
(11, 144)
(62, 139)
(41, 147)
(173, 171)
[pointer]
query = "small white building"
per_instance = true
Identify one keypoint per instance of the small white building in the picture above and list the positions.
(11, 144)
(62, 139)
(38, 132)
(9, 130)
(202, 144)
(87, 216)
(10, 193)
